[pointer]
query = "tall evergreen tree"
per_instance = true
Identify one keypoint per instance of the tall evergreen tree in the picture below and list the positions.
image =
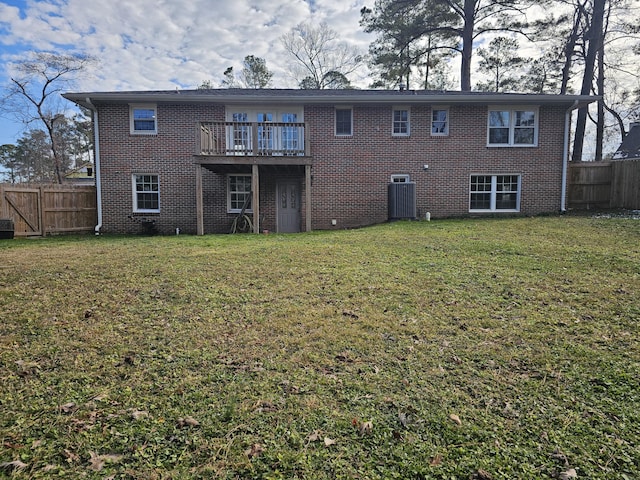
(411, 34)
(255, 73)
(500, 60)
(453, 24)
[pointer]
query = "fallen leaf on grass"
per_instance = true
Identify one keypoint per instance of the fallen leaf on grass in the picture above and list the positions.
(481, 475)
(188, 422)
(404, 420)
(70, 456)
(255, 450)
(314, 437)
(435, 461)
(96, 462)
(15, 465)
(139, 414)
(350, 314)
(344, 357)
(455, 419)
(67, 407)
(265, 407)
(366, 427)
(329, 441)
(569, 474)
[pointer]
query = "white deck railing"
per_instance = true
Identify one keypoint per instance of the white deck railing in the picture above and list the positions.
(252, 138)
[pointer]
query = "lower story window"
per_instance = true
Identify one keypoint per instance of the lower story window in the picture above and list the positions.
(238, 193)
(146, 193)
(490, 193)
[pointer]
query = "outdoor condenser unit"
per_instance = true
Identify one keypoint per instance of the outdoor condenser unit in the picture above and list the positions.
(402, 200)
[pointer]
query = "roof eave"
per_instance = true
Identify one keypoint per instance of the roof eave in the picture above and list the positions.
(87, 99)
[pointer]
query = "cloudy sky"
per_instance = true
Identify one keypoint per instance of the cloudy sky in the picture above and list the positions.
(164, 44)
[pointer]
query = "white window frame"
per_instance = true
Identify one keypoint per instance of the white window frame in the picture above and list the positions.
(395, 122)
(135, 192)
(446, 125)
(335, 123)
(512, 111)
(231, 209)
(494, 193)
(252, 113)
(143, 106)
(400, 178)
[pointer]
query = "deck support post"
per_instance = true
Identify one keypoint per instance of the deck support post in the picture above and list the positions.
(307, 197)
(255, 201)
(199, 202)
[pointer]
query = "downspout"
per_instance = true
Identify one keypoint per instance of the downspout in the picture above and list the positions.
(565, 156)
(96, 136)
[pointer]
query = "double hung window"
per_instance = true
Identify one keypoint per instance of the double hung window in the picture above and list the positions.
(440, 122)
(344, 122)
(513, 127)
(238, 192)
(146, 193)
(143, 119)
(400, 122)
(493, 193)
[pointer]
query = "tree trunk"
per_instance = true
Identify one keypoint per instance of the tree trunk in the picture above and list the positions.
(600, 92)
(569, 49)
(467, 44)
(594, 35)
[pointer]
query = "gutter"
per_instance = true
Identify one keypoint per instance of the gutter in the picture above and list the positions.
(565, 155)
(96, 136)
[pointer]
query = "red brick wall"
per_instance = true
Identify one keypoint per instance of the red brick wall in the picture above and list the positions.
(350, 174)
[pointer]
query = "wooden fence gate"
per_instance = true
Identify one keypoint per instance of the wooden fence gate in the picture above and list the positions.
(39, 210)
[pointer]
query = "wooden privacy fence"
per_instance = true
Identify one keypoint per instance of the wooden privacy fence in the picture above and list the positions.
(39, 210)
(604, 185)
(625, 184)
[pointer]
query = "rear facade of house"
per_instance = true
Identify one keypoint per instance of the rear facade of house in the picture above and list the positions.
(299, 160)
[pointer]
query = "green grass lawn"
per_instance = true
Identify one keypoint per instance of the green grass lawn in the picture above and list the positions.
(457, 349)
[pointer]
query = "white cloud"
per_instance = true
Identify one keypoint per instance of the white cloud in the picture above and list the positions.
(146, 44)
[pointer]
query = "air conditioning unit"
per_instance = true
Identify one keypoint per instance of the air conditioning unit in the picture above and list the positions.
(402, 200)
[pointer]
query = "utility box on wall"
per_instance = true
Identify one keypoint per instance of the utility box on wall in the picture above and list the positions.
(7, 229)
(402, 200)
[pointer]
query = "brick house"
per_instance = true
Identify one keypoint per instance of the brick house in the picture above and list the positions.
(300, 160)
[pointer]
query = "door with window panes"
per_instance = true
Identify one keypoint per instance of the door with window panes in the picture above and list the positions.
(288, 206)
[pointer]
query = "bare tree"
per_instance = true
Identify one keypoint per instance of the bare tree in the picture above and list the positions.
(34, 93)
(319, 56)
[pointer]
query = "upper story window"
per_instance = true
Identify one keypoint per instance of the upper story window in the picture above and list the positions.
(146, 193)
(344, 121)
(143, 119)
(516, 127)
(440, 121)
(400, 122)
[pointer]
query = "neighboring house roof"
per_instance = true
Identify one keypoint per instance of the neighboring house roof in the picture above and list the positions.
(85, 173)
(348, 96)
(630, 146)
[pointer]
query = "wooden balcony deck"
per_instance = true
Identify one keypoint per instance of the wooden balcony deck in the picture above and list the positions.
(252, 139)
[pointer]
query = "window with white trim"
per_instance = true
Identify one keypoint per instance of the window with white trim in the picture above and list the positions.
(143, 119)
(344, 122)
(146, 193)
(494, 193)
(238, 192)
(400, 178)
(440, 121)
(516, 127)
(400, 121)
